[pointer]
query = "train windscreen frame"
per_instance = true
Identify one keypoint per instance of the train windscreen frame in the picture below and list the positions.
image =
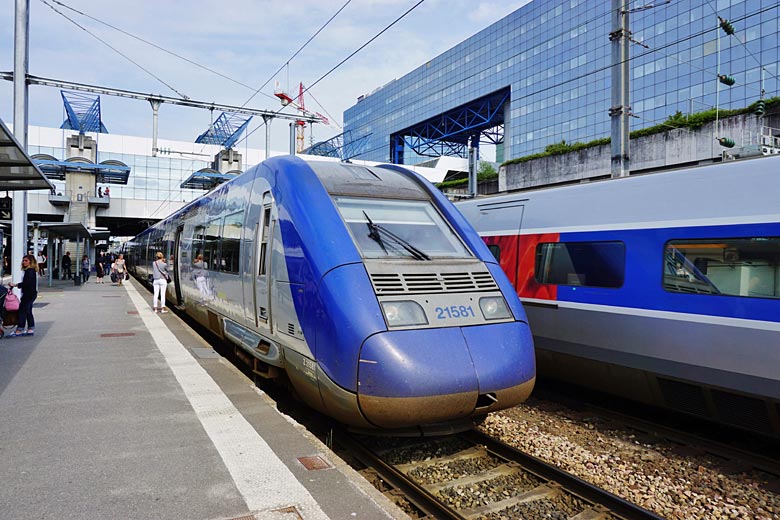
(386, 228)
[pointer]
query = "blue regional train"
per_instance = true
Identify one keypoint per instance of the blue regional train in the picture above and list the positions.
(663, 288)
(361, 285)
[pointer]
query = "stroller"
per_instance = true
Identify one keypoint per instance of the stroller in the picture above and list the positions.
(8, 319)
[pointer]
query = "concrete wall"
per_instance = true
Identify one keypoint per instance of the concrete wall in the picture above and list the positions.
(664, 150)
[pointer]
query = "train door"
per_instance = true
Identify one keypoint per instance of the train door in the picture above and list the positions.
(499, 223)
(176, 257)
(262, 296)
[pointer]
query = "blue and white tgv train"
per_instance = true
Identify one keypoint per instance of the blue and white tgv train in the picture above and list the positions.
(663, 288)
(363, 285)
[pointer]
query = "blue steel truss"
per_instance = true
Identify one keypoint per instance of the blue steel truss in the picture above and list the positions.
(343, 146)
(83, 112)
(449, 133)
(225, 131)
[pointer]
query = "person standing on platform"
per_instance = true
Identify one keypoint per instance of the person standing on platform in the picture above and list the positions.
(100, 193)
(85, 268)
(160, 283)
(41, 263)
(99, 269)
(107, 193)
(29, 288)
(66, 263)
(119, 266)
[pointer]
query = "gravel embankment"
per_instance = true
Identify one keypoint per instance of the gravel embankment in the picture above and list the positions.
(653, 476)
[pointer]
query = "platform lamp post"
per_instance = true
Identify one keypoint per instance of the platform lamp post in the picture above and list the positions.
(21, 65)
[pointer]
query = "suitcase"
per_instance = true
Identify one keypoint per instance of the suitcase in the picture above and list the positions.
(114, 278)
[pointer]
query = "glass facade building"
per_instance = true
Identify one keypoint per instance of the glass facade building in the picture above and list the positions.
(554, 56)
(151, 178)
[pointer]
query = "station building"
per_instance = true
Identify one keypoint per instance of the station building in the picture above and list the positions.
(542, 75)
(115, 182)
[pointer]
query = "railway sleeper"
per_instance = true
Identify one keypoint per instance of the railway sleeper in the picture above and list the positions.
(470, 453)
(502, 470)
(537, 493)
(592, 513)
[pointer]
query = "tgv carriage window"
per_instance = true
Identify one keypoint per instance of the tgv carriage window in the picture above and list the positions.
(589, 264)
(399, 228)
(732, 267)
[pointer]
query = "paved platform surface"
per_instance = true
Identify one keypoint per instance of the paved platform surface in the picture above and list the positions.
(112, 411)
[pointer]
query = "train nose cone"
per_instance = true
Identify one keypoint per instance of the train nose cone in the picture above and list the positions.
(418, 377)
(414, 377)
(504, 361)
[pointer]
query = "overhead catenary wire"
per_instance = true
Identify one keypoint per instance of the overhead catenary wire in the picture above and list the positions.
(45, 2)
(190, 61)
(345, 59)
(744, 44)
(156, 46)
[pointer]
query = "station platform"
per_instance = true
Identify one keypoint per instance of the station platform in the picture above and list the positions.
(113, 411)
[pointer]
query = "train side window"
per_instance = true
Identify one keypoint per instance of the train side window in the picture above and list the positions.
(211, 245)
(496, 252)
(198, 236)
(748, 267)
(264, 240)
(231, 242)
(587, 264)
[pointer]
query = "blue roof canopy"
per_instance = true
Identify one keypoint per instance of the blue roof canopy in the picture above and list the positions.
(206, 179)
(107, 172)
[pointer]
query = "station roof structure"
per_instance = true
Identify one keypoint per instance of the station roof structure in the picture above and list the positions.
(67, 230)
(17, 169)
(343, 146)
(83, 112)
(107, 172)
(449, 132)
(207, 179)
(225, 131)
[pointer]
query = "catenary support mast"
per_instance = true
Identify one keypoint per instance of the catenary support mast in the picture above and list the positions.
(21, 64)
(620, 108)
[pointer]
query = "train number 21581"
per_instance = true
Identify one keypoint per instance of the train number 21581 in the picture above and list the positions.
(454, 311)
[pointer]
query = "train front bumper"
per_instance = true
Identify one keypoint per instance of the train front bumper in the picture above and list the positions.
(429, 376)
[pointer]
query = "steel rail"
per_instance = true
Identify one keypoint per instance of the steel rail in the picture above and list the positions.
(590, 493)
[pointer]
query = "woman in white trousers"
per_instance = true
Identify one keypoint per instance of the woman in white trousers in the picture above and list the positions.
(160, 282)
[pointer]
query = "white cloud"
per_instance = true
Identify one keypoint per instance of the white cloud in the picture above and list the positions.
(247, 40)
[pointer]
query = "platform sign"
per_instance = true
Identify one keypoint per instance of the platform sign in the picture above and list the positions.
(6, 208)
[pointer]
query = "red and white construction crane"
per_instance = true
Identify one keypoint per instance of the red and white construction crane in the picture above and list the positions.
(300, 139)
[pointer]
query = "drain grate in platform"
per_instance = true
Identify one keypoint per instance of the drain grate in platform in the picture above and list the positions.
(314, 463)
(39, 305)
(114, 296)
(117, 334)
(132, 312)
(289, 509)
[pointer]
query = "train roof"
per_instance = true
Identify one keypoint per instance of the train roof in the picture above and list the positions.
(366, 181)
(726, 193)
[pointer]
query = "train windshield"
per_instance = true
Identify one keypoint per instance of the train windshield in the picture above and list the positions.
(400, 229)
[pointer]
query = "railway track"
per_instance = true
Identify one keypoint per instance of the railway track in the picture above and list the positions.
(475, 477)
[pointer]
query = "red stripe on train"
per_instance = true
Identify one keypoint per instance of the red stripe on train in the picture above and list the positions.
(517, 259)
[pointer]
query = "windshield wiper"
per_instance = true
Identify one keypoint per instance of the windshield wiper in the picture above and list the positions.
(376, 232)
(373, 232)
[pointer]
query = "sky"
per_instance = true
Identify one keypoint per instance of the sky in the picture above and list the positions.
(245, 40)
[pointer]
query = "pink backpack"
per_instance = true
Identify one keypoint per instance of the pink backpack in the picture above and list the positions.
(11, 302)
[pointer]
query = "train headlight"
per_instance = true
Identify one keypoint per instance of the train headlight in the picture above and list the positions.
(494, 308)
(403, 313)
